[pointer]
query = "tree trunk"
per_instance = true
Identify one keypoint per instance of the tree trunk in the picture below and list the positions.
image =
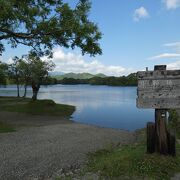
(18, 94)
(35, 89)
(25, 90)
(17, 83)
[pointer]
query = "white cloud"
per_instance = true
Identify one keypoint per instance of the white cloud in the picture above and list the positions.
(140, 13)
(70, 62)
(174, 44)
(9, 61)
(171, 4)
(164, 56)
(176, 52)
(173, 56)
(174, 65)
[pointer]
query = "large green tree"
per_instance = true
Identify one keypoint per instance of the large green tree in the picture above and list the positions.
(43, 24)
(38, 71)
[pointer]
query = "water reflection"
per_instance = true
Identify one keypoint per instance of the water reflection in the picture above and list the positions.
(105, 106)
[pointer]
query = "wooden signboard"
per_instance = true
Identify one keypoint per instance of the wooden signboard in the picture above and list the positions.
(159, 89)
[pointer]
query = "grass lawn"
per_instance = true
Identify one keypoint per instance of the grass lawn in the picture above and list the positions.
(4, 128)
(39, 107)
(132, 162)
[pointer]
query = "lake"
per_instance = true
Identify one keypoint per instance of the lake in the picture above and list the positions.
(104, 106)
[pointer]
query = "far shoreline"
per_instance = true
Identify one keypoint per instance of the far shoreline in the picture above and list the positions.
(1, 86)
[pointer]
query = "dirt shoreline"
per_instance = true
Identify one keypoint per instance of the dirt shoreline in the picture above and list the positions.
(43, 145)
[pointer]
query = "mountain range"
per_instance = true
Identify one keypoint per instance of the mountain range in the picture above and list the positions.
(61, 76)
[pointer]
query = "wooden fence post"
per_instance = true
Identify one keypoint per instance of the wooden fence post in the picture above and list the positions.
(161, 144)
(150, 137)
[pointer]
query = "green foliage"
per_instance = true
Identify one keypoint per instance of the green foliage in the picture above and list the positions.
(130, 80)
(37, 69)
(49, 81)
(29, 70)
(4, 128)
(39, 107)
(25, 71)
(132, 161)
(13, 69)
(43, 24)
(174, 121)
(3, 73)
(14, 73)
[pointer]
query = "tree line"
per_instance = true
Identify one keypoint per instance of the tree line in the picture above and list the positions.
(130, 80)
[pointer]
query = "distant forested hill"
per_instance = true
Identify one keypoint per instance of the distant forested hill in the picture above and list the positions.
(130, 80)
(77, 76)
(86, 78)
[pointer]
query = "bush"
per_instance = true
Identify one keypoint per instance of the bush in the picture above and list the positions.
(174, 121)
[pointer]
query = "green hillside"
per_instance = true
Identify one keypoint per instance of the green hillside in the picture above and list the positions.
(78, 76)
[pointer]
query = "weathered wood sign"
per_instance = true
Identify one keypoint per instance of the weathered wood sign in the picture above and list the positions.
(159, 89)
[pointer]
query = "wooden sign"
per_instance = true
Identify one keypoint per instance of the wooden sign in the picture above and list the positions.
(158, 89)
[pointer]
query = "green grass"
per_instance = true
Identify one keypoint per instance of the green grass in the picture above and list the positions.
(4, 128)
(39, 107)
(174, 121)
(132, 161)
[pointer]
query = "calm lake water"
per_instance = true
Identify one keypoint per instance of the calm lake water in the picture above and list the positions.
(105, 106)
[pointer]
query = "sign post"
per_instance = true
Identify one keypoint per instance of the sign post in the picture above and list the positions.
(159, 90)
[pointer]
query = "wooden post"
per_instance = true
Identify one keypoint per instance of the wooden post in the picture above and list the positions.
(159, 89)
(150, 137)
(161, 144)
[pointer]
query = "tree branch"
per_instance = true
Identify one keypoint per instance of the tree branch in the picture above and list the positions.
(14, 34)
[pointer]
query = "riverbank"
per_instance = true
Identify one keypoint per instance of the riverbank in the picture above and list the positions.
(38, 107)
(17, 112)
(44, 145)
(44, 152)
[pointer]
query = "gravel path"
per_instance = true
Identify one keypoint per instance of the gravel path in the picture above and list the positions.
(40, 152)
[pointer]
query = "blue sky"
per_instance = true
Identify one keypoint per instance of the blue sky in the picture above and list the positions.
(130, 43)
(136, 34)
